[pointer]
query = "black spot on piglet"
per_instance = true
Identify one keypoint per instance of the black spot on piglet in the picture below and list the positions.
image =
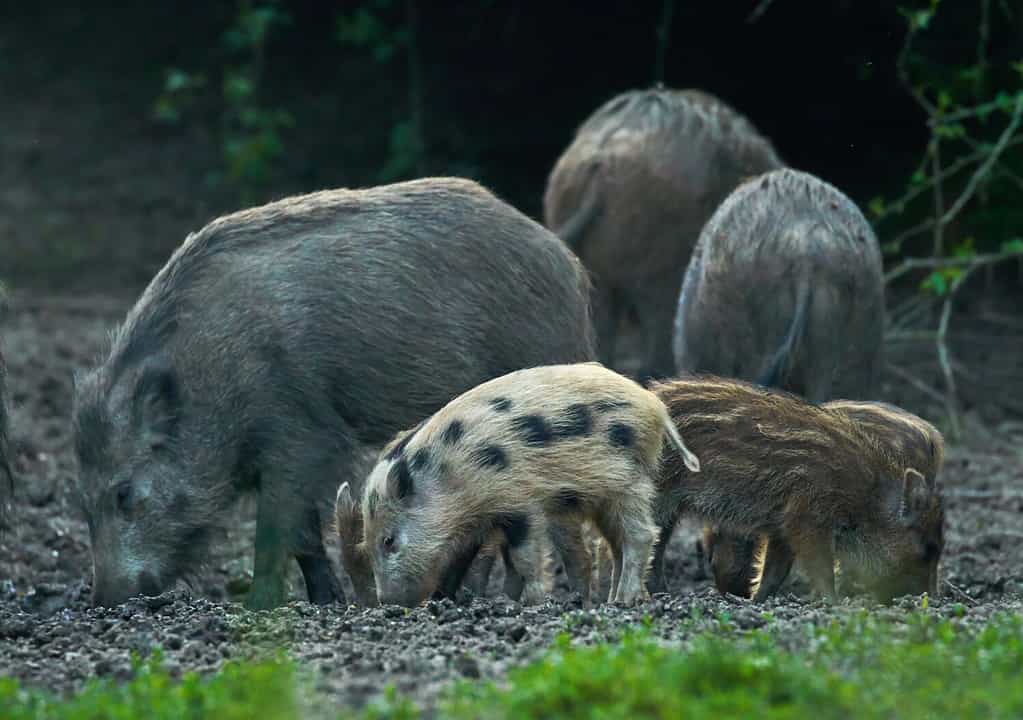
(501, 404)
(420, 459)
(490, 456)
(576, 422)
(453, 432)
(534, 429)
(400, 479)
(621, 435)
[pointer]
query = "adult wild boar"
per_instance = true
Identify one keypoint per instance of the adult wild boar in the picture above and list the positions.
(279, 342)
(785, 289)
(630, 195)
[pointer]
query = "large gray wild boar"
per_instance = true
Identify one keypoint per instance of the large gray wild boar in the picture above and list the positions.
(630, 194)
(910, 440)
(532, 455)
(785, 289)
(279, 342)
(815, 482)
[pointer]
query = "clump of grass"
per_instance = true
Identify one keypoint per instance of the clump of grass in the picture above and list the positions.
(239, 691)
(863, 667)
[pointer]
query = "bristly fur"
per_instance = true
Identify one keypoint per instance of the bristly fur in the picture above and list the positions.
(910, 441)
(631, 192)
(460, 500)
(815, 480)
(280, 341)
(785, 288)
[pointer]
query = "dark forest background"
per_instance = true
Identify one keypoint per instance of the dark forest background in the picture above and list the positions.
(124, 126)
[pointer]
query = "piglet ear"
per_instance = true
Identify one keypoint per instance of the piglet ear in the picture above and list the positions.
(916, 490)
(157, 402)
(399, 480)
(347, 516)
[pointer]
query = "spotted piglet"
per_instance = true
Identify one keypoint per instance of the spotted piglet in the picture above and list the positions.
(532, 455)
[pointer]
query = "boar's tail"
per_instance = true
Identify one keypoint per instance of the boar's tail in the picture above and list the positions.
(780, 365)
(574, 229)
(688, 456)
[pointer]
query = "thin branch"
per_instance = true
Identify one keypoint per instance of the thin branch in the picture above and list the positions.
(916, 382)
(947, 173)
(951, 390)
(663, 34)
(939, 198)
(961, 593)
(758, 11)
(985, 167)
(910, 264)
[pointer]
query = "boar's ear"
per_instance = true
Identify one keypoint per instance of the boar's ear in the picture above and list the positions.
(399, 480)
(916, 490)
(157, 402)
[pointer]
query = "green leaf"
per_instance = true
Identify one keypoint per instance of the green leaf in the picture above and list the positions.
(1014, 245)
(935, 282)
(918, 177)
(876, 206)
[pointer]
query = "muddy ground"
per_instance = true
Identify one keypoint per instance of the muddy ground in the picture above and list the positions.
(51, 638)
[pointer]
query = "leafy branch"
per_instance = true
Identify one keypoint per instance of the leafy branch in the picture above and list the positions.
(952, 125)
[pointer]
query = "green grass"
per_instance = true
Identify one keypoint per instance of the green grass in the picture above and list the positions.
(864, 667)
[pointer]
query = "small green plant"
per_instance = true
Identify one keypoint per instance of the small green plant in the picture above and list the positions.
(367, 28)
(251, 132)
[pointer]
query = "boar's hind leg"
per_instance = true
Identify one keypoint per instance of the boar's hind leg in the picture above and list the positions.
(526, 533)
(657, 582)
(657, 317)
(777, 564)
(321, 585)
(817, 558)
(566, 534)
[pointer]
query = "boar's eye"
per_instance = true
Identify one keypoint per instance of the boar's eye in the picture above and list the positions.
(124, 497)
(389, 543)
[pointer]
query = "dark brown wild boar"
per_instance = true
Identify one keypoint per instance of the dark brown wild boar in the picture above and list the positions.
(630, 195)
(814, 480)
(785, 289)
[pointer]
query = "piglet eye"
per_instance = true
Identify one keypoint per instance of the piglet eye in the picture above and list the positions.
(389, 542)
(123, 497)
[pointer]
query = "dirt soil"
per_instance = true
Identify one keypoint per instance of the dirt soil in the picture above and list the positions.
(51, 638)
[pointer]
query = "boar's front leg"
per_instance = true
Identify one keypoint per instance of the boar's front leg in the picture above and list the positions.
(525, 533)
(777, 565)
(272, 555)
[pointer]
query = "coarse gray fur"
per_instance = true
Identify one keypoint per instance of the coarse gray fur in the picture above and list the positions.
(785, 288)
(279, 341)
(630, 195)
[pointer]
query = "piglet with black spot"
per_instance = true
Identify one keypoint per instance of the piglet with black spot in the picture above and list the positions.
(532, 455)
